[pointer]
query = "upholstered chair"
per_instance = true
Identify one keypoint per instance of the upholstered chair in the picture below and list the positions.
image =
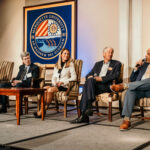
(143, 103)
(109, 98)
(6, 70)
(36, 98)
(73, 90)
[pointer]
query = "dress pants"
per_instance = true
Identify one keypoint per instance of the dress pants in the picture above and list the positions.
(136, 90)
(92, 88)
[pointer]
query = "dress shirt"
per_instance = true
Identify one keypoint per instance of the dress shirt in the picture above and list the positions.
(147, 73)
(27, 67)
(104, 69)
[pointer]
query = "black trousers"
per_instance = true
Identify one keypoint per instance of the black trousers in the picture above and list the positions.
(92, 88)
(3, 98)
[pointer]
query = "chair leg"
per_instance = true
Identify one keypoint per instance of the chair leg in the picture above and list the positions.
(97, 108)
(57, 105)
(7, 102)
(142, 112)
(26, 104)
(65, 109)
(110, 112)
(120, 108)
(78, 108)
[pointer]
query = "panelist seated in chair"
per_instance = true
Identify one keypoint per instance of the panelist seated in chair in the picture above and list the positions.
(139, 87)
(64, 71)
(27, 71)
(98, 81)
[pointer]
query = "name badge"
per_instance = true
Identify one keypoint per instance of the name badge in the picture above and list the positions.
(110, 68)
(29, 75)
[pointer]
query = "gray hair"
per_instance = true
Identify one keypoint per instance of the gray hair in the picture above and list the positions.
(106, 48)
(24, 54)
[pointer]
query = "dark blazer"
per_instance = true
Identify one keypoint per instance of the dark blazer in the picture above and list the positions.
(137, 75)
(112, 73)
(34, 70)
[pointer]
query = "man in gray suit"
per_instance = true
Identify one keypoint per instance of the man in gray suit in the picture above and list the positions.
(138, 88)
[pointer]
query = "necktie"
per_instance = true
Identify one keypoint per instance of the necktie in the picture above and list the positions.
(23, 73)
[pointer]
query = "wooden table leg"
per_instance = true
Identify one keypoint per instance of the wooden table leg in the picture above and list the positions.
(42, 105)
(18, 98)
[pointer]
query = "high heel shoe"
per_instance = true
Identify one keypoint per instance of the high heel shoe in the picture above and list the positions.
(36, 115)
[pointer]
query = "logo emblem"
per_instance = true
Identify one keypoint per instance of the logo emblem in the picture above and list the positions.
(48, 35)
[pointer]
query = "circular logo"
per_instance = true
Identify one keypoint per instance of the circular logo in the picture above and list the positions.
(48, 35)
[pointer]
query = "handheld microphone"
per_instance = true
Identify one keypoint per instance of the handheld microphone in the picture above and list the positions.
(138, 65)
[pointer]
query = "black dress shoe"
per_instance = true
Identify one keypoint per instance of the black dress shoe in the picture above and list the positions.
(81, 119)
(89, 112)
(36, 115)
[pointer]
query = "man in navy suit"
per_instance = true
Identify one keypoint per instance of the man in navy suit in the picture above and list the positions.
(98, 81)
(27, 71)
(138, 88)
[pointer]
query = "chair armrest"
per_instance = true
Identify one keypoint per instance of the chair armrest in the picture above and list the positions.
(36, 81)
(71, 84)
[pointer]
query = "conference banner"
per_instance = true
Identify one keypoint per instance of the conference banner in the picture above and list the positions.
(48, 29)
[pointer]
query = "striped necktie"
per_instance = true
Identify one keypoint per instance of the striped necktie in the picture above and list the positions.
(23, 73)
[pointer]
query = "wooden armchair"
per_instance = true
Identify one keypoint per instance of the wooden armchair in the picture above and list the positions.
(73, 90)
(36, 98)
(6, 70)
(142, 103)
(109, 98)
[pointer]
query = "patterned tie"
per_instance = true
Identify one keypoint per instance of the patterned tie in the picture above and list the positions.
(23, 73)
(147, 73)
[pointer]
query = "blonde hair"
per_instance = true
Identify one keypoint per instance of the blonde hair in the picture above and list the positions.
(67, 64)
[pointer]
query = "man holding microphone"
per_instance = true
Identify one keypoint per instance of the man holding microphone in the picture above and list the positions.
(138, 88)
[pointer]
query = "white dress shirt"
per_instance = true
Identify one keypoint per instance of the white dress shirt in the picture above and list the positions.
(104, 69)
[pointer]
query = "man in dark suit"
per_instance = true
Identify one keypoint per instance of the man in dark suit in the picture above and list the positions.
(139, 87)
(98, 81)
(27, 71)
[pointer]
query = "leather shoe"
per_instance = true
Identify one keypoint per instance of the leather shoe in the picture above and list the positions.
(125, 125)
(117, 87)
(89, 112)
(81, 119)
(36, 115)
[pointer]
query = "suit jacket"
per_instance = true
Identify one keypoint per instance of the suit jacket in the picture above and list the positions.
(137, 75)
(112, 73)
(34, 70)
(66, 75)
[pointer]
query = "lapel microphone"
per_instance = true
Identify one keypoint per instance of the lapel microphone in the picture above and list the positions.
(138, 65)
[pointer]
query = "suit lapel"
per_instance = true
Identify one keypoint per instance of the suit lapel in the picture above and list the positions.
(99, 68)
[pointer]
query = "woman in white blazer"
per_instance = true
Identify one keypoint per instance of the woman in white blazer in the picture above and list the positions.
(64, 72)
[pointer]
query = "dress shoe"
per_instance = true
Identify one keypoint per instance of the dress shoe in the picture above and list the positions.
(117, 87)
(89, 112)
(125, 125)
(36, 115)
(81, 119)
